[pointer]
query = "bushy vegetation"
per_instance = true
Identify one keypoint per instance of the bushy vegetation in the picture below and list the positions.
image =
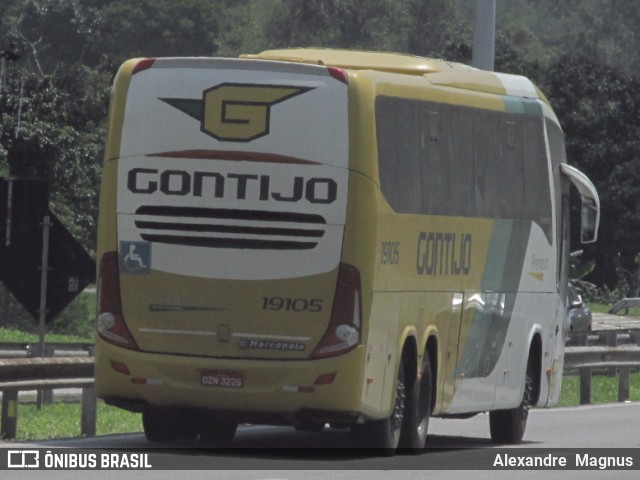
(77, 320)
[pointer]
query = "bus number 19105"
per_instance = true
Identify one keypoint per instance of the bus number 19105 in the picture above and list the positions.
(287, 304)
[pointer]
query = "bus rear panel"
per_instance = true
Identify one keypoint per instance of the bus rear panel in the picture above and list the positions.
(221, 282)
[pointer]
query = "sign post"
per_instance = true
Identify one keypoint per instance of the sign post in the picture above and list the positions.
(46, 224)
(42, 328)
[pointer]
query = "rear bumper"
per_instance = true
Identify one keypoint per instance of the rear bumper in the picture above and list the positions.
(272, 392)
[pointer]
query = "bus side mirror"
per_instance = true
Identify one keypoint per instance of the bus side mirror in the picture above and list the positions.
(590, 215)
(589, 218)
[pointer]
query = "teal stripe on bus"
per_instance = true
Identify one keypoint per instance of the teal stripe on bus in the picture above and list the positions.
(495, 302)
(524, 106)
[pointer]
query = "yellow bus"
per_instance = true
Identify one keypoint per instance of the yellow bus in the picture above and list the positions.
(316, 237)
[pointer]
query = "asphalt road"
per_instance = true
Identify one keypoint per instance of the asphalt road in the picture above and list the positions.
(266, 453)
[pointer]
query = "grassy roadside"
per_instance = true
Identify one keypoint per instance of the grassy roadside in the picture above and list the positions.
(12, 335)
(62, 420)
(603, 390)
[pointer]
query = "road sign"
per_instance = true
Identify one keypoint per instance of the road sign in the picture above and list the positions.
(23, 206)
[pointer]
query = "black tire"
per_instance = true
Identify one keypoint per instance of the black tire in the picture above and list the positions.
(159, 427)
(169, 425)
(188, 427)
(507, 426)
(217, 431)
(383, 436)
(417, 410)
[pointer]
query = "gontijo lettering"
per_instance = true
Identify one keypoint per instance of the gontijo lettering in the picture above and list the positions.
(235, 185)
(443, 253)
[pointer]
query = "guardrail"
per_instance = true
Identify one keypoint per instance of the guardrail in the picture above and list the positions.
(626, 304)
(606, 352)
(588, 361)
(22, 374)
(26, 349)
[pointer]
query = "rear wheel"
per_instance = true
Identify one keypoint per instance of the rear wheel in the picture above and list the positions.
(217, 431)
(158, 427)
(417, 409)
(384, 435)
(169, 425)
(507, 426)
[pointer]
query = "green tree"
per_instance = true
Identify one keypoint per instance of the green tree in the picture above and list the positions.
(59, 138)
(438, 29)
(106, 32)
(155, 28)
(598, 108)
(358, 24)
(604, 31)
(51, 31)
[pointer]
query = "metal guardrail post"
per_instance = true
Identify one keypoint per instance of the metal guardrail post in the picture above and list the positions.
(89, 412)
(581, 338)
(9, 421)
(623, 384)
(610, 339)
(45, 395)
(585, 386)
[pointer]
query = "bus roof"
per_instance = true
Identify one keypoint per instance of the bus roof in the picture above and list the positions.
(438, 72)
(361, 60)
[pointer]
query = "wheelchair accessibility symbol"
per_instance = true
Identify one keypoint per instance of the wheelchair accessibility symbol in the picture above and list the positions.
(135, 258)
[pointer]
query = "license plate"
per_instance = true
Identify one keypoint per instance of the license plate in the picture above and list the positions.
(222, 379)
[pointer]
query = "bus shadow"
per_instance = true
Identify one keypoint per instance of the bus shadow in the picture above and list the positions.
(329, 445)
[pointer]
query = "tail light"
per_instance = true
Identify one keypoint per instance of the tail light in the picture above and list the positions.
(343, 333)
(143, 64)
(110, 322)
(339, 74)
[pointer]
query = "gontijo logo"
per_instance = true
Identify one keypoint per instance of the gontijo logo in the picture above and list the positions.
(236, 112)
